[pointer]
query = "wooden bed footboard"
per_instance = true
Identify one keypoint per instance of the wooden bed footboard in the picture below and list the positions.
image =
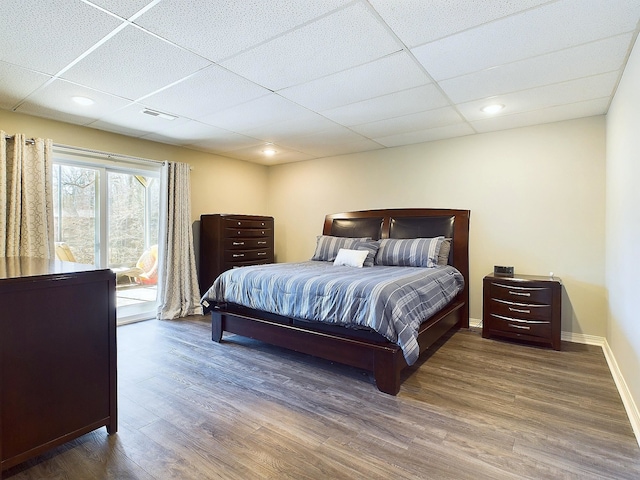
(383, 358)
(376, 355)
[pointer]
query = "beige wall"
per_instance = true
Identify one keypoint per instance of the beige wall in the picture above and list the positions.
(536, 197)
(623, 226)
(218, 184)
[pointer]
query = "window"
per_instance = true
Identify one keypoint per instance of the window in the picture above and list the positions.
(107, 214)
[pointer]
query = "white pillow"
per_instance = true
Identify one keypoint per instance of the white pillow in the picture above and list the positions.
(350, 258)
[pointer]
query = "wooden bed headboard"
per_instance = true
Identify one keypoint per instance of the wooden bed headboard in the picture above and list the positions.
(411, 223)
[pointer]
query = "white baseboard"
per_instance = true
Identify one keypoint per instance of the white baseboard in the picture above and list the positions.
(629, 405)
(627, 400)
(475, 322)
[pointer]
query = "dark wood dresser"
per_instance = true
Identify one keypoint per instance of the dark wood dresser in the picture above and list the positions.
(228, 241)
(57, 355)
(523, 307)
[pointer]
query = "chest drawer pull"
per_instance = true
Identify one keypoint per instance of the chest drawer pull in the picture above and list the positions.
(522, 294)
(237, 255)
(262, 243)
(262, 253)
(522, 327)
(235, 244)
(511, 309)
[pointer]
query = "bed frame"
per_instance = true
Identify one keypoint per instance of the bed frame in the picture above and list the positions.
(363, 349)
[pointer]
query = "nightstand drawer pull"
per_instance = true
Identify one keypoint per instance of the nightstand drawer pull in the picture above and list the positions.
(509, 319)
(511, 309)
(522, 294)
(235, 244)
(262, 243)
(522, 327)
(238, 255)
(262, 253)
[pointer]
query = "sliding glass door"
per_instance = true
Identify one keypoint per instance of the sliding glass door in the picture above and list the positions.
(108, 216)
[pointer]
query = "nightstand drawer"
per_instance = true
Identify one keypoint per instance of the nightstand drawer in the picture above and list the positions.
(531, 311)
(520, 294)
(524, 327)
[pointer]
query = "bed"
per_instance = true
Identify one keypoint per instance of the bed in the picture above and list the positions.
(359, 347)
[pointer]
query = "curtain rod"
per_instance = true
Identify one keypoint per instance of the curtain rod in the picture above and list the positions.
(27, 140)
(106, 154)
(99, 152)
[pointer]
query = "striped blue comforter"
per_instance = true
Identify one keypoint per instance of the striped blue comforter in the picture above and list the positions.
(393, 301)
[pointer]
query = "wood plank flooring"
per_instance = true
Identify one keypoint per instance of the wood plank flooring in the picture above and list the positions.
(475, 409)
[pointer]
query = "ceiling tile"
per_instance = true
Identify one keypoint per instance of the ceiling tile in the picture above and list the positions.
(420, 21)
(385, 75)
(205, 92)
(542, 30)
(584, 60)
(317, 46)
(133, 118)
(188, 133)
(261, 111)
(336, 134)
(554, 114)
(217, 29)
(226, 143)
(283, 155)
(573, 91)
(298, 126)
(428, 135)
(54, 101)
(407, 123)
(46, 35)
(133, 64)
(414, 100)
(332, 150)
(16, 83)
(123, 8)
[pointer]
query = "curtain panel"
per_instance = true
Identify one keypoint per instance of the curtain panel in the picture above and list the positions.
(178, 292)
(26, 197)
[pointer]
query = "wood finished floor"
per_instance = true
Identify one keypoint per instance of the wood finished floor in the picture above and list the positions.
(476, 409)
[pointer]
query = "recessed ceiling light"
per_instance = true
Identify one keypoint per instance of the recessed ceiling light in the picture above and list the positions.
(493, 108)
(269, 152)
(83, 100)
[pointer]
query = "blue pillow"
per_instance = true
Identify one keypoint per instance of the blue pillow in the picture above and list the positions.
(370, 246)
(328, 246)
(413, 252)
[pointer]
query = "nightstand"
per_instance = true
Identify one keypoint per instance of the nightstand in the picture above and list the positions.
(522, 307)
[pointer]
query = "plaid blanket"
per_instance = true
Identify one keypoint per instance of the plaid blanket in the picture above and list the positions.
(393, 301)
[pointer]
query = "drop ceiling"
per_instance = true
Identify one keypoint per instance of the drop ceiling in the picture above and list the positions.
(311, 78)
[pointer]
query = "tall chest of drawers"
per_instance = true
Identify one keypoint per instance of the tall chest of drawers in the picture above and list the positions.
(228, 241)
(523, 307)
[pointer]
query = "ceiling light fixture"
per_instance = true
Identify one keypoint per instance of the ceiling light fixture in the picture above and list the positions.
(493, 108)
(269, 152)
(83, 101)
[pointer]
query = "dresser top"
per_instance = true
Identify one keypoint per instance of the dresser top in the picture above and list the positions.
(17, 267)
